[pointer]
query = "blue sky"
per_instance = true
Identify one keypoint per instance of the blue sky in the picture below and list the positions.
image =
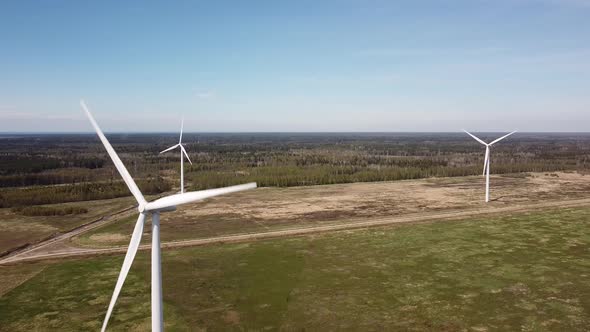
(296, 66)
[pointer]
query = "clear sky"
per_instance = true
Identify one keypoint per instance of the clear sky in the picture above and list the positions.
(315, 65)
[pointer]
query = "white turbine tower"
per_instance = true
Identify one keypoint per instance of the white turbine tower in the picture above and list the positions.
(486, 162)
(154, 208)
(182, 154)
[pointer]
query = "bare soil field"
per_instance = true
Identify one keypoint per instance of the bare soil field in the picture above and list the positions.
(19, 230)
(270, 209)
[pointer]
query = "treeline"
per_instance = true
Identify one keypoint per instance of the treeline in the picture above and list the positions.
(51, 177)
(24, 164)
(77, 192)
(290, 176)
(36, 211)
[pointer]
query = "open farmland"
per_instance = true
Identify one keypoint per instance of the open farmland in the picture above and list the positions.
(44, 173)
(526, 271)
(519, 262)
(269, 209)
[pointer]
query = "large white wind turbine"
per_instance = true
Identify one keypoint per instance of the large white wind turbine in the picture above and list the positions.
(486, 162)
(182, 154)
(154, 208)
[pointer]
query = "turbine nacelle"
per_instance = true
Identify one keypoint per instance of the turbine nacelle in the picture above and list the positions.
(145, 208)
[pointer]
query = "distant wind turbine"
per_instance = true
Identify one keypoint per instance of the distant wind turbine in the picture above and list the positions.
(182, 151)
(154, 208)
(486, 163)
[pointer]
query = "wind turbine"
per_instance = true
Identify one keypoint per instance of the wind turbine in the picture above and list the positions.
(154, 208)
(182, 151)
(486, 162)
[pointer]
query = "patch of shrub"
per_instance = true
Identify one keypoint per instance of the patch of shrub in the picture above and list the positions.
(36, 211)
(77, 192)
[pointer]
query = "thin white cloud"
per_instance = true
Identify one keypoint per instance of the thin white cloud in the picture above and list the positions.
(208, 94)
(562, 3)
(17, 115)
(578, 3)
(385, 52)
(537, 62)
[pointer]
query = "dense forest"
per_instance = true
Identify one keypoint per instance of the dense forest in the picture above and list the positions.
(43, 169)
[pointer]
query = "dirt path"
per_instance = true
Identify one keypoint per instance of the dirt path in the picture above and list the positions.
(37, 254)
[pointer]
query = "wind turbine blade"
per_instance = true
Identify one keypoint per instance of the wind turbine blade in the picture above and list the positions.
(181, 129)
(118, 163)
(186, 154)
(178, 199)
(170, 148)
(486, 160)
(475, 137)
(133, 246)
(501, 138)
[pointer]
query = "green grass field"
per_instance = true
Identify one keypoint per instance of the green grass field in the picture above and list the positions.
(528, 272)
